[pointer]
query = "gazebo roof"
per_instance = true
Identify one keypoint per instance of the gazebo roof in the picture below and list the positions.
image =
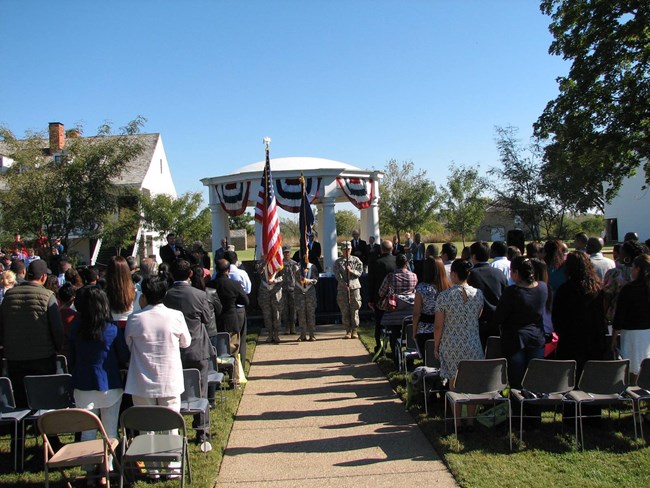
(293, 167)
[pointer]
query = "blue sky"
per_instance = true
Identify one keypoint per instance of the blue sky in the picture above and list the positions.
(357, 81)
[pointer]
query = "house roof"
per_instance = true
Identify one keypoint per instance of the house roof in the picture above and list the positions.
(135, 170)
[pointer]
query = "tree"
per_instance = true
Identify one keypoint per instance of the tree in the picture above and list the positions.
(346, 222)
(243, 221)
(73, 192)
(597, 129)
(408, 199)
(521, 187)
(463, 200)
(120, 231)
(182, 216)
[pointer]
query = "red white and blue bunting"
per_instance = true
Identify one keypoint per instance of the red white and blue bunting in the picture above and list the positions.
(233, 197)
(289, 194)
(358, 190)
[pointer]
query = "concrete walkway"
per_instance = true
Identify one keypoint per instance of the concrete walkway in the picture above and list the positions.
(319, 414)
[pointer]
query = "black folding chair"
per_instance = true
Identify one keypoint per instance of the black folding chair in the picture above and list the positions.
(12, 415)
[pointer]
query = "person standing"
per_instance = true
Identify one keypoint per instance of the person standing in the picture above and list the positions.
(520, 317)
(240, 276)
(492, 282)
(600, 263)
(270, 301)
(220, 253)
(232, 317)
(498, 252)
(306, 277)
(169, 252)
(578, 313)
(347, 270)
(417, 252)
(31, 330)
(377, 271)
(194, 304)
(288, 286)
(359, 247)
(155, 336)
(96, 352)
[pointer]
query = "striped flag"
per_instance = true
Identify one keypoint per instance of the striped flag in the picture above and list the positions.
(267, 215)
(305, 221)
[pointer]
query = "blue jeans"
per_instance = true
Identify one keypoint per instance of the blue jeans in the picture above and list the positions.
(518, 362)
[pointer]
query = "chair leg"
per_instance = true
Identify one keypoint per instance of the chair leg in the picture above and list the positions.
(582, 430)
(510, 423)
(521, 422)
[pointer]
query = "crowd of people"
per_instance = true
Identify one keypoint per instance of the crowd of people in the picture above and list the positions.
(541, 301)
(153, 320)
(147, 319)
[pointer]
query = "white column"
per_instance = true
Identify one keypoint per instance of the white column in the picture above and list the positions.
(328, 236)
(258, 240)
(319, 223)
(220, 223)
(373, 211)
(364, 229)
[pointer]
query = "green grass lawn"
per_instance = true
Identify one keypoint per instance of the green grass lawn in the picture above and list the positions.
(205, 467)
(548, 456)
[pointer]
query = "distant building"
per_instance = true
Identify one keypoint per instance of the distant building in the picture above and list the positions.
(497, 222)
(149, 173)
(628, 211)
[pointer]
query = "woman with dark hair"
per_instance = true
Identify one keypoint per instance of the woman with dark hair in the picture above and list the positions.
(120, 289)
(632, 319)
(72, 276)
(455, 332)
(616, 278)
(578, 313)
(520, 316)
(541, 274)
(434, 281)
(96, 350)
(554, 259)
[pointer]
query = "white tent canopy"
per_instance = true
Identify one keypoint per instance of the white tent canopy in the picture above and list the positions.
(330, 182)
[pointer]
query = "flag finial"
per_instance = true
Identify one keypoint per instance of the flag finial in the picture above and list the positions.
(267, 141)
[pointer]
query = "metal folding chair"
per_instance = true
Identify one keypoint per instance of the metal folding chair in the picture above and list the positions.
(225, 360)
(641, 392)
(479, 382)
(430, 361)
(155, 446)
(493, 348)
(601, 383)
(96, 451)
(545, 383)
(192, 403)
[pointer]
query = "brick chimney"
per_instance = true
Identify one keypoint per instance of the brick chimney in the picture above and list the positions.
(57, 137)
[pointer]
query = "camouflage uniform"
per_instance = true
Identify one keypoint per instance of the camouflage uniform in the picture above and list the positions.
(305, 295)
(269, 298)
(349, 301)
(288, 300)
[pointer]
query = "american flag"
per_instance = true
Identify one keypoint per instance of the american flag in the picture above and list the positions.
(266, 214)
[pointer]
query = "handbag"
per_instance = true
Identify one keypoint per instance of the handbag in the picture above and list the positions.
(388, 303)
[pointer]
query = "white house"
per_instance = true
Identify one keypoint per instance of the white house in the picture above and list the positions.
(628, 211)
(149, 172)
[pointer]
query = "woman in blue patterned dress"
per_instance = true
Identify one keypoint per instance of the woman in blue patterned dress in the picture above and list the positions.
(456, 325)
(434, 281)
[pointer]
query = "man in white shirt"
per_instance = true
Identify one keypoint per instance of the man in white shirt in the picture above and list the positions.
(448, 253)
(498, 252)
(600, 262)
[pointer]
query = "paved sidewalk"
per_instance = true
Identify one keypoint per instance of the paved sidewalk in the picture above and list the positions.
(320, 414)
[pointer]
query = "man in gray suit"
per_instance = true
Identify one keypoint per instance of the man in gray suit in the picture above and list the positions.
(196, 308)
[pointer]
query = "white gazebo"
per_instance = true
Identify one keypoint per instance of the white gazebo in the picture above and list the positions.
(327, 182)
